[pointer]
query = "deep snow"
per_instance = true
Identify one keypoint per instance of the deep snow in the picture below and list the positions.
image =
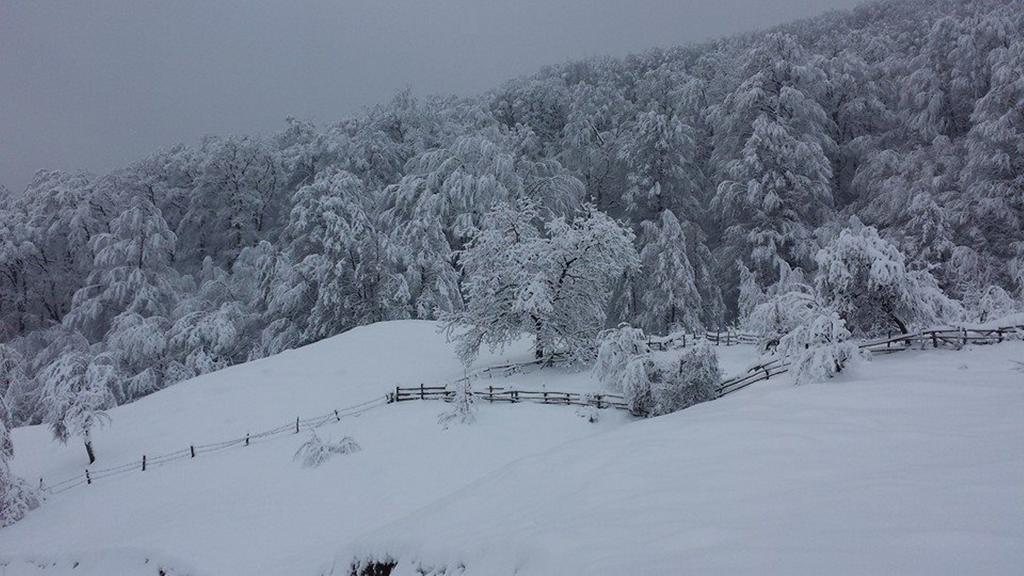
(912, 463)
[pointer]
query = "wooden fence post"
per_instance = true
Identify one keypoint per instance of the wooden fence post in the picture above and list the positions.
(490, 393)
(965, 336)
(143, 462)
(88, 479)
(935, 340)
(423, 395)
(246, 438)
(598, 397)
(396, 393)
(296, 424)
(336, 417)
(192, 449)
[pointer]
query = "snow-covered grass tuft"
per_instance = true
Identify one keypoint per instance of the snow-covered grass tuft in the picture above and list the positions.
(315, 451)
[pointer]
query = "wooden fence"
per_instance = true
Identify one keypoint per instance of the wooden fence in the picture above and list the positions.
(954, 338)
(717, 338)
(145, 462)
(513, 395)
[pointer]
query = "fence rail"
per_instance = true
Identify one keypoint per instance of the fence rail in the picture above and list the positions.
(955, 338)
(514, 395)
(950, 338)
(145, 462)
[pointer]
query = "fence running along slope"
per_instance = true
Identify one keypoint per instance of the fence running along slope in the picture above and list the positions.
(293, 427)
(952, 338)
(955, 338)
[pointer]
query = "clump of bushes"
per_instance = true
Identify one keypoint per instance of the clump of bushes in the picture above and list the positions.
(651, 385)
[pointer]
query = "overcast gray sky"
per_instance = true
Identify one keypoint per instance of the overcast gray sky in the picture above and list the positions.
(93, 85)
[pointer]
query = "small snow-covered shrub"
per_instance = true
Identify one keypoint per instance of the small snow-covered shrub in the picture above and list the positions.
(995, 303)
(16, 497)
(636, 385)
(654, 387)
(617, 347)
(589, 413)
(819, 348)
(690, 380)
(463, 409)
(315, 451)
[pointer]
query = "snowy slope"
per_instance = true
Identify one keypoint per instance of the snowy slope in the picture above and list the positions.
(909, 462)
(912, 464)
(253, 510)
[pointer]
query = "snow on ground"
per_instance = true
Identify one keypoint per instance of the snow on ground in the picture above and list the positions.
(253, 510)
(910, 464)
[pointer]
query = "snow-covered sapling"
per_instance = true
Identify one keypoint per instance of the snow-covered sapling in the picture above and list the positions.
(463, 410)
(636, 386)
(616, 348)
(995, 303)
(589, 411)
(315, 451)
(693, 379)
(16, 497)
(819, 348)
(75, 397)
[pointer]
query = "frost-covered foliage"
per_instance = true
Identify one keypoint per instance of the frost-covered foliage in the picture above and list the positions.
(551, 282)
(655, 386)
(76, 396)
(995, 303)
(463, 407)
(616, 348)
(754, 149)
(865, 280)
(16, 497)
(691, 379)
(314, 451)
(819, 347)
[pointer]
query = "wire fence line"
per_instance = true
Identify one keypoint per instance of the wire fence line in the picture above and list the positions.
(146, 462)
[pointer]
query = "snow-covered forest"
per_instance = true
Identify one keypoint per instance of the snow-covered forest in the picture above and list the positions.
(684, 189)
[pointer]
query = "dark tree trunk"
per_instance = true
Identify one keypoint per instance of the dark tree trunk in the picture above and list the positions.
(88, 449)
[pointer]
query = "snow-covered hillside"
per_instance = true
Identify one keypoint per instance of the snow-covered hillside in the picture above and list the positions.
(908, 464)
(912, 464)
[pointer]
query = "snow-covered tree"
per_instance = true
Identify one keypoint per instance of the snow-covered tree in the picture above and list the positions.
(819, 347)
(864, 279)
(463, 407)
(553, 284)
(660, 158)
(344, 251)
(670, 298)
(76, 398)
(236, 201)
(16, 497)
(995, 303)
(616, 348)
(773, 145)
(131, 273)
(691, 379)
